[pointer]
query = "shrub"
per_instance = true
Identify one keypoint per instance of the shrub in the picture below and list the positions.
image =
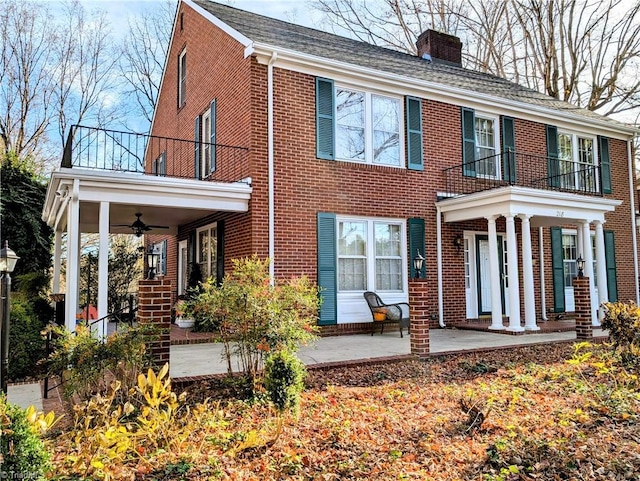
(88, 363)
(255, 317)
(26, 344)
(23, 452)
(284, 377)
(623, 323)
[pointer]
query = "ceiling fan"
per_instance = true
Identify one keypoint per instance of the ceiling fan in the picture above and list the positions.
(138, 227)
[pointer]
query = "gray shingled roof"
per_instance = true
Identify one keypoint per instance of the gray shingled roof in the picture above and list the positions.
(278, 33)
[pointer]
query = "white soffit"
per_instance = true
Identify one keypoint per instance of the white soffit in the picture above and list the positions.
(555, 207)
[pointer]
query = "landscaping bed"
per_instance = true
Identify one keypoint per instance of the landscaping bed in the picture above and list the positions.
(536, 412)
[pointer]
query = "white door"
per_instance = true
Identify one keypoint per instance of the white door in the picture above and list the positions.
(483, 280)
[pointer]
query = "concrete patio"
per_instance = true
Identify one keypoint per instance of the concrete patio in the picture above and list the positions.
(189, 360)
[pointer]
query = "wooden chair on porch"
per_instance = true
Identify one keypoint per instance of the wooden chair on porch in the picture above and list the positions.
(387, 313)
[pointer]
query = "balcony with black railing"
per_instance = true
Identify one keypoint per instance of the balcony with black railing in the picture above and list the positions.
(117, 151)
(512, 168)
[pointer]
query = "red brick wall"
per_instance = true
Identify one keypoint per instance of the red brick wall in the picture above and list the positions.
(305, 185)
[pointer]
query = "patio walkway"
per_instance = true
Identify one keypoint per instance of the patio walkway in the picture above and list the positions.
(203, 359)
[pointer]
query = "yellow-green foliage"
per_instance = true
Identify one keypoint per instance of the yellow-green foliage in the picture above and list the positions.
(622, 320)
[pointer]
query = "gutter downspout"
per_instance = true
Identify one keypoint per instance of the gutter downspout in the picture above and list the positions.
(271, 207)
(634, 236)
(439, 256)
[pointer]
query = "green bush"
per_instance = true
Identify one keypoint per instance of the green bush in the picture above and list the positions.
(284, 377)
(26, 343)
(24, 455)
(255, 317)
(623, 323)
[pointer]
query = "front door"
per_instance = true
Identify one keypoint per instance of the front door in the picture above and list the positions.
(483, 273)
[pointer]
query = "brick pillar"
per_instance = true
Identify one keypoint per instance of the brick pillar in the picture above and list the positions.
(154, 307)
(419, 313)
(582, 296)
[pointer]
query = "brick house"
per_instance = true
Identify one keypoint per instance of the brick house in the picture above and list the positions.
(346, 160)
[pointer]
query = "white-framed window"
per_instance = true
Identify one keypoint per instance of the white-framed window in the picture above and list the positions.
(577, 162)
(487, 146)
(161, 249)
(570, 255)
(182, 78)
(159, 166)
(371, 255)
(207, 249)
(368, 127)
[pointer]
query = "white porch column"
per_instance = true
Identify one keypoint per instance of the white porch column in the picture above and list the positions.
(514, 283)
(57, 261)
(543, 297)
(587, 255)
(527, 276)
(73, 257)
(103, 268)
(601, 266)
(494, 273)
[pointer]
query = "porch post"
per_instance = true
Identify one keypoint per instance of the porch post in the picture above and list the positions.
(73, 257)
(601, 261)
(57, 261)
(514, 283)
(419, 315)
(494, 273)
(527, 276)
(584, 328)
(103, 268)
(587, 255)
(543, 298)
(154, 307)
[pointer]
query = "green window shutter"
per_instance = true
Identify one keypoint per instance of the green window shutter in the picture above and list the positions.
(553, 168)
(610, 256)
(508, 150)
(416, 243)
(468, 142)
(325, 120)
(197, 147)
(414, 133)
(557, 263)
(605, 165)
(327, 271)
(220, 252)
(212, 139)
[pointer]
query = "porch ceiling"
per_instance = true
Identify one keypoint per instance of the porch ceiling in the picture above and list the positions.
(160, 200)
(545, 207)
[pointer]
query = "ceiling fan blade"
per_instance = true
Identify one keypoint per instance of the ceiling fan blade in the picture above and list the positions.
(157, 227)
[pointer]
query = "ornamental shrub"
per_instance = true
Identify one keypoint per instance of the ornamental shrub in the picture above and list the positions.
(622, 320)
(255, 317)
(24, 455)
(284, 377)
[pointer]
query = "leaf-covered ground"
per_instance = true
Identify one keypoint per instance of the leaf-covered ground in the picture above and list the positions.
(530, 413)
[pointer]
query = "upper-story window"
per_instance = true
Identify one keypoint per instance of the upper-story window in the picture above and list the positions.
(577, 162)
(206, 145)
(182, 78)
(205, 142)
(368, 127)
(487, 146)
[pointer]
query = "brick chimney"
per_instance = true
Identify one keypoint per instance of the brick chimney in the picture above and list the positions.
(440, 47)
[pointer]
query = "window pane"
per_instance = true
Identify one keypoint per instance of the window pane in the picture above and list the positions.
(386, 130)
(352, 238)
(569, 252)
(203, 239)
(213, 250)
(486, 147)
(352, 274)
(565, 156)
(349, 124)
(387, 239)
(389, 274)
(585, 170)
(206, 136)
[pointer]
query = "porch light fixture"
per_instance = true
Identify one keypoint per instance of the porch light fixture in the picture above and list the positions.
(153, 258)
(580, 264)
(457, 242)
(418, 262)
(8, 260)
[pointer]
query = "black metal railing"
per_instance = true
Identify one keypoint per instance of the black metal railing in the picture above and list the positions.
(523, 170)
(117, 151)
